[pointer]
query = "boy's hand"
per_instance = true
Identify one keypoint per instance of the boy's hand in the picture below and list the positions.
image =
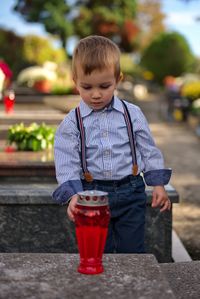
(71, 209)
(160, 199)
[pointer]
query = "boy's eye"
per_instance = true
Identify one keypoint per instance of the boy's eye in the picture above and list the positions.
(86, 87)
(105, 86)
(101, 86)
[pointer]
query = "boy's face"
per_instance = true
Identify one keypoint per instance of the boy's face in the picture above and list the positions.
(97, 88)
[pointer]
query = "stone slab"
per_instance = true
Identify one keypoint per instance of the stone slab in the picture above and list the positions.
(62, 103)
(30, 221)
(30, 193)
(184, 278)
(25, 170)
(54, 276)
(27, 117)
(26, 164)
(179, 252)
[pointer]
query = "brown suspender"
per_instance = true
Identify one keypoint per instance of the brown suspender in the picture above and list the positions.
(129, 126)
(87, 175)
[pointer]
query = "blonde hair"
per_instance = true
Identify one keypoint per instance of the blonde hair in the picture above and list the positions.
(96, 53)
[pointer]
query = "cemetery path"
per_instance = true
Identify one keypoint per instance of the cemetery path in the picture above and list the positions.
(181, 150)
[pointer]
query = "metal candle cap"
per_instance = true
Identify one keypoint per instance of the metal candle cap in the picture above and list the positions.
(92, 198)
(9, 93)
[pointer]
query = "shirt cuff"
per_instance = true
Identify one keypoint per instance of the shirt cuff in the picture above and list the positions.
(159, 177)
(65, 191)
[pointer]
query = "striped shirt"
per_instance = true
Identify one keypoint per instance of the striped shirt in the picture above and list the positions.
(108, 151)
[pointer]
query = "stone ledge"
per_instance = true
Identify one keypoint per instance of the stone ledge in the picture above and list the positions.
(62, 103)
(30, 221)
(50, 276)
(26, 164)
(35, 193)
(22, 171)
(184, 278)
(179, 253)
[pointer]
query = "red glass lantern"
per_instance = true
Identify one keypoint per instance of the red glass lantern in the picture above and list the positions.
(9, 100)
(91, 222)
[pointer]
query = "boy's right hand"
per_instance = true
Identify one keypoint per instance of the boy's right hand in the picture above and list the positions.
(71, 209)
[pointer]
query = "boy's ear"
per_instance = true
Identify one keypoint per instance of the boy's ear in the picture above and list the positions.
(75, 86)
(121, 77)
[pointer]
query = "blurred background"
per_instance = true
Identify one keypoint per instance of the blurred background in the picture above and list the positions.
(158, 38)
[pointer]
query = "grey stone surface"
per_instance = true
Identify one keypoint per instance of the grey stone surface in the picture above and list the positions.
(30, 194)
(184, 279)
(36, 228)
(54, 276)
(158, 234)
(30, 221)
(34, 193)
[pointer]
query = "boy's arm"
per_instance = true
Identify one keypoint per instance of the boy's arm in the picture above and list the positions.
(155, 173)
(67, 160)
(64, 193)
(160, 199)
(71, 209)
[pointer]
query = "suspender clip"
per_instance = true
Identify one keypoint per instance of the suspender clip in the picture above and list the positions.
(88, 177)
(135, 169)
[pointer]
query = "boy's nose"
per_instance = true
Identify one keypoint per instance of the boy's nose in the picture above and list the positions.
(96, 94)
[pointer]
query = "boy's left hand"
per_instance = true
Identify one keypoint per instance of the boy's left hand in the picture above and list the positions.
(160, 199)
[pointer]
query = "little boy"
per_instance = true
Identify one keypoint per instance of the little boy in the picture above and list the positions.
(106, 144)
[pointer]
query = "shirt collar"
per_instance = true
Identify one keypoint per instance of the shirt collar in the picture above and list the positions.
(115, 104)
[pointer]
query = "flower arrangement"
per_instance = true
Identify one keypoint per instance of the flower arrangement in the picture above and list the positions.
(33, 74)
(191, 90)
(49, 78)
(31, 138)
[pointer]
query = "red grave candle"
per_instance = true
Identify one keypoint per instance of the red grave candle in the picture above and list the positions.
(91, 222)
(9, 100)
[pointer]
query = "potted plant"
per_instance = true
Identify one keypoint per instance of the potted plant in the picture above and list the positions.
(42, 85)
(31, 138)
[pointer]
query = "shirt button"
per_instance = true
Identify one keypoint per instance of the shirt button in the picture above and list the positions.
(107, 173)
(105, 134)
(107, 152)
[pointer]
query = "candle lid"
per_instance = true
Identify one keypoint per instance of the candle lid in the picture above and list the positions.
(92, 198)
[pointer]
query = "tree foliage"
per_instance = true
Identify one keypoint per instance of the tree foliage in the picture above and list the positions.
(150, 20)
(53, 14)
(19, 52)
(37, 50)
(168, 54)
(114, 18)
(11, 50)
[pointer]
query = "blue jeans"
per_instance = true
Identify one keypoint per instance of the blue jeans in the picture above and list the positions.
(127, 200)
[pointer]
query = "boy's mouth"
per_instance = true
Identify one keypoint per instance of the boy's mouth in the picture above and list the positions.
(96, 103)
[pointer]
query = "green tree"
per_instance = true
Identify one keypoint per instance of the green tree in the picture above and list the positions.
(11, 50)
(113, 19)
(20, 52)
(168, 54)
(37, 50)
(150, 20)
(53, 14)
